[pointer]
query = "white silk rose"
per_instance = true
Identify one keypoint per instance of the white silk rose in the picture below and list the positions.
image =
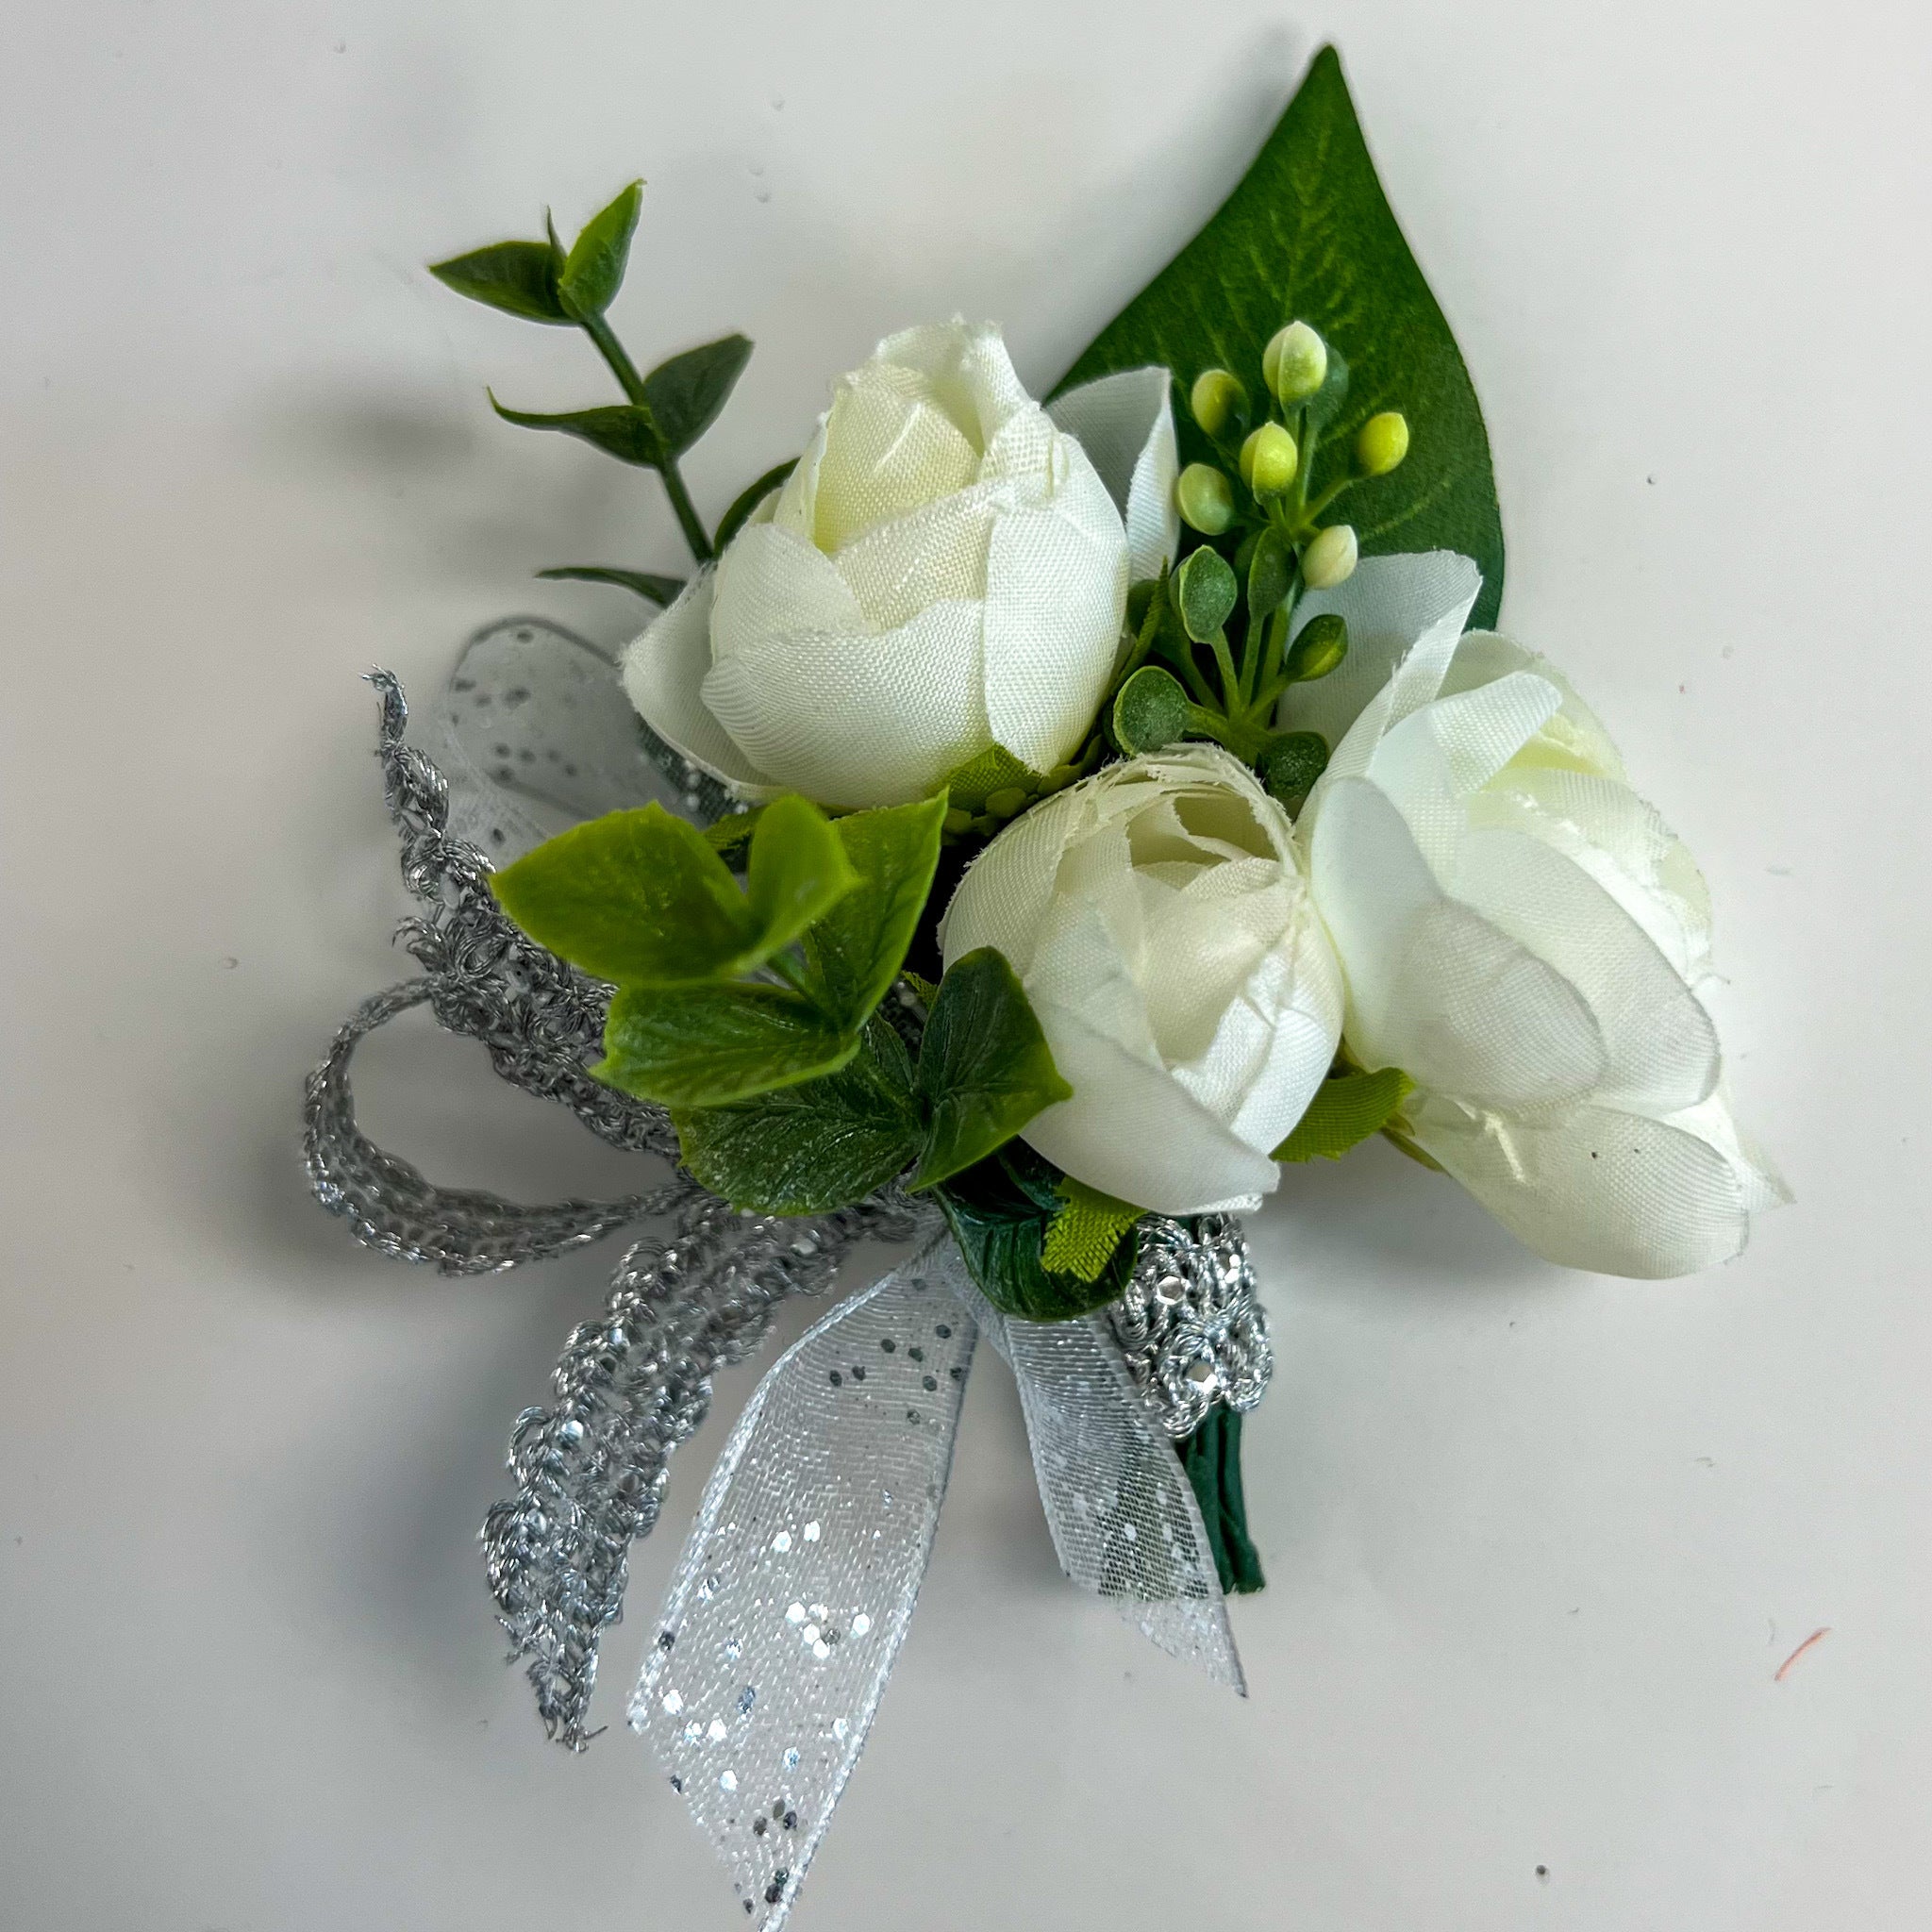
(1159, 921)
(1522, 935)
(944, 572)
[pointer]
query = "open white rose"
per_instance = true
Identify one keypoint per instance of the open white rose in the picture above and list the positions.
(946, 571)
(1522, 935)
(1165, 935)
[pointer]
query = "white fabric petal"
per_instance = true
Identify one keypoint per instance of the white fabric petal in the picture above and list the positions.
(792, 703)
(772, 583)
(1396, 608)
(1125, 424)
(1151, 1142)
(1055, 599)
(664, 669)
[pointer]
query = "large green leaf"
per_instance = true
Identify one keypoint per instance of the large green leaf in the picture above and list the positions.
(519, 277)
(709, 1045)
(856, 949)
(1309, 233)
(985, 1068)
(686, 392)
(811, 1148)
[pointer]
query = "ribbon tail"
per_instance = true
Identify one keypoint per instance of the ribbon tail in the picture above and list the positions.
(798, 1581)
(1123, 1513)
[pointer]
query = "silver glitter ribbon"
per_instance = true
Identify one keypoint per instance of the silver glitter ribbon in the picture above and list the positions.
(799, 1578)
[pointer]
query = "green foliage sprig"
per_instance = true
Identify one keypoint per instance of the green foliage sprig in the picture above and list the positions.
(663, 413)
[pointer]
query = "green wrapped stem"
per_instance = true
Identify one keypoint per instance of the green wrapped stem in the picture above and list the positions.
(1212, 1458)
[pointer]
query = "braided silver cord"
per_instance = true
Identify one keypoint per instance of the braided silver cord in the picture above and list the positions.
(591, 1470)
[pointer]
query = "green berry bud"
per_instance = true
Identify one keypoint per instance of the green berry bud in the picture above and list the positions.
(1290, 764)
(1319, 647)
(956, 823)
(1205, 498)
(1151, 711)
(1269, 459)
(1381, 442)
(1330, 559)
(1008, 803)
(1216, 398)
(1295, 362)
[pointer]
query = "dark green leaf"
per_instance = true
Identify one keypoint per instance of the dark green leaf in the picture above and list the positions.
(636, 897)
(686, 392)
(856, 948)
(1271, 570)
(747, 500)
(593, 270)
(618, 429)
(1203, 594)
(654, 588)
(708, 1046)
(798, 871)
(519, 277)
(1308, 232)
(985, 1068)
(1346, 1110)
(810, 1148)
(999, 1212)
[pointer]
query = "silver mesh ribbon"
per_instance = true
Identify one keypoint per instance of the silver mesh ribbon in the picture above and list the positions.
(799, 1578)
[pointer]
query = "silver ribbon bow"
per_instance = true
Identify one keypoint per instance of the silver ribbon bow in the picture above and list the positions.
(799, 1578)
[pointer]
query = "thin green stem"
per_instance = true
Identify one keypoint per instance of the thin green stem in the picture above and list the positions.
(619, 362)
(1230, 678)
(1197, 682)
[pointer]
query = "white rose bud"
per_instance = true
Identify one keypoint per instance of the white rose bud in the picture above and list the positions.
(1523, 937)
(1160, 923)
(944, 572)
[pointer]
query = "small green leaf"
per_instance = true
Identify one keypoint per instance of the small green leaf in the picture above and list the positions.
(810, 1148)
(652, 588)
(593, 270)
(747, 500)
(925, 988)
(1082, 1237)
(636, 897)
(1203, 594)
(1271, 570)
(519, 277)
(686, 392)
(618, 429)
(1308, 232)
(855, 950)
(1150, 711)
(1346, 1110)
(734, 829)
(999, 1212)
(985, 1068)
(798, 871)
(708, 1046)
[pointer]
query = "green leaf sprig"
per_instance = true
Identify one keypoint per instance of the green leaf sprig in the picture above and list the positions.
(663, 413)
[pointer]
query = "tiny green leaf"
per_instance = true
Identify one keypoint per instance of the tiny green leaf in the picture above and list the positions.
(593, 270)
(985, 1068)
(1150, 711)
(519, 277)
(1082, 1237)
(733, 830)
(747, 500)
(686, 393)
(1319, 647)
(855, 950)
(1203, 594)
(810, 1148)
(636, 897)
(708, 1046)
(652, 588)
(618, 429)
(1346, 1110)
(1271, 570)
(798, 871)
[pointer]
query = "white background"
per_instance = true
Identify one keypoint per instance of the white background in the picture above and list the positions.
(1536, 1543)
